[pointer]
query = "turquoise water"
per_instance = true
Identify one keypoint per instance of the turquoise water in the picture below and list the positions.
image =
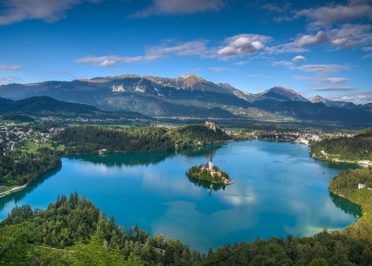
(278, 190)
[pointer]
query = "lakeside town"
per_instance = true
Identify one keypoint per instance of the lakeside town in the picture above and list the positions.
(14, 136)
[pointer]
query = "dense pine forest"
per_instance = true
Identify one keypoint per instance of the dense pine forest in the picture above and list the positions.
(72, 231)
(85, 139)
(358, 147)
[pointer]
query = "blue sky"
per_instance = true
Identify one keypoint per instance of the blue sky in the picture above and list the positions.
(315, 48)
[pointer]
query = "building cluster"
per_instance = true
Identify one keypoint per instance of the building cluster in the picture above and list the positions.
(302, 136)
(12, 137)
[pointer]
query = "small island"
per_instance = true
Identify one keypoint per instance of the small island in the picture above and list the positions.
(209, 173)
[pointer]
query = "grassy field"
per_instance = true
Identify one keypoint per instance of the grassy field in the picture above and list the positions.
(32, 145)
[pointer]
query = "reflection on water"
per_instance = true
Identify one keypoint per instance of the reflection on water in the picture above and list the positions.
(346, 205)
(278, 190)
(17, 196)
(144, 158)
(207, 185)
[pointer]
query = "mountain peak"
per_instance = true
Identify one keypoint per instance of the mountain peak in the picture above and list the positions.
(318, 99)
(191, 78)
(283, 94)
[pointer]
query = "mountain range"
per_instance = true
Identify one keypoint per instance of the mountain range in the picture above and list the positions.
(47, 106)
(191, 96)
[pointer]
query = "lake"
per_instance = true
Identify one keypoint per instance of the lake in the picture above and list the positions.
(278, 190)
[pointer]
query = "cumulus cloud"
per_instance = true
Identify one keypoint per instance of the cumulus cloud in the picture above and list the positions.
(330, 14)
(344, 36)
(179, 7)
(242, 45)
(335, 89)
(10, 68)
(12, 11)
(298, 59)
(299, 44)
(306, 40)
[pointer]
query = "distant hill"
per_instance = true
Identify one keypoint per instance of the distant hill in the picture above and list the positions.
(46, 106)
(337, 104)
(280, 94)
(190, 96)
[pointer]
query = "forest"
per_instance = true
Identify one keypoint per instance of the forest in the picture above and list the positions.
(87, 139)
(358, 147)
(18, 168)
(345, 185)
(72, 231)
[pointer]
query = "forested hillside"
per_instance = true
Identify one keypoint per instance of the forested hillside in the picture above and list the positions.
(72, 231)
(346, 186)
(84, 139)
(358, 147)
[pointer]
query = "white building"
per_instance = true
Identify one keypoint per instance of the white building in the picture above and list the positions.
(361, 186)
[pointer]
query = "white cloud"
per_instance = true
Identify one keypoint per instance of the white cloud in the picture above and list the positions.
(298, 59)
(351, 35)
(306, 40)
(359, 98)
(10, 68)
(179, 7)
(238, 45)
(47, 10)
(299, 44)
(242, 45)
(330, 14)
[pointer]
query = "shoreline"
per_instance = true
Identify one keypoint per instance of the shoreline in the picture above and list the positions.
(12, 190)
(342, 231)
